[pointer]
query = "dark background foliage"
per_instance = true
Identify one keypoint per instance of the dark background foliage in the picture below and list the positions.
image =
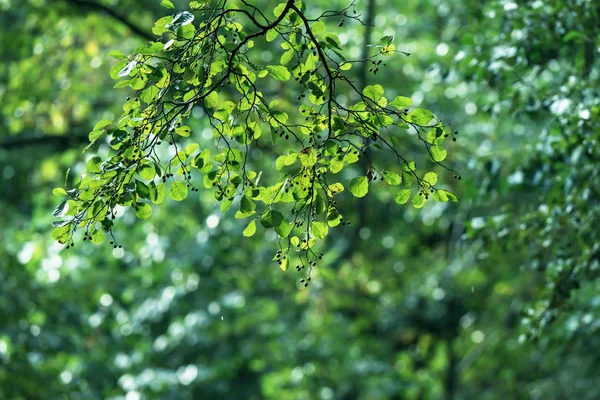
(492, 297)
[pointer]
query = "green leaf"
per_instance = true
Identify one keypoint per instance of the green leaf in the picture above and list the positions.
(167, 4)
(277, 11)
(401, 102)
(117, 54)
(279, 72)
(247, 205)
(149, 94)
(391, 178)
(308, 157)
(269, 37)
(284, 264)
(336, 188)
(178, 191)
(62, 234)
(157, 192)
(318, 27)
(225, 205)
(444, 195)
(147, 171)
(334, 218)
(211, 100)
(431, 178)
(374, 92)
(93, 164)
(271, 219)
(99, 129)
(573, 36)
(59, 191)
(284, 229)
(98, 237)
(320, 205)
(285, 160)
(359, 186)
(143, 210)
(403, 196)
(185, 130)
(435, 136)
(421, 116)
(287, 56)
(332, 40)
(319, 229)
(336, 166)
(438, 153)
(250, 229)
(418, 200)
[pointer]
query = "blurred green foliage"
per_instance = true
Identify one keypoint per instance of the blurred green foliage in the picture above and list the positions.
(492, 297)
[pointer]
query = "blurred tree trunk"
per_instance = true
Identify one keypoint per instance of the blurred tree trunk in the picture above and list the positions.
(451, 372)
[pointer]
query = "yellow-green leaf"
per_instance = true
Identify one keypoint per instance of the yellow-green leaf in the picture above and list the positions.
(250, 229)
(431, 178)
(403, 196)
(178, 191)
(418, 200)
(359, 186)
(143, 210)
(318, 27)
(438, 153)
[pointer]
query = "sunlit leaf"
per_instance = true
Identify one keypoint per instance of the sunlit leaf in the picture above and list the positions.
(279, 72)
(359, 186)
(421, 116)
(178, 191)
(250, 229)
(403, 196)
(437, 153)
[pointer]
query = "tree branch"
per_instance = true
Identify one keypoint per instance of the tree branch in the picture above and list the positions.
(93, 6)
(354, 237)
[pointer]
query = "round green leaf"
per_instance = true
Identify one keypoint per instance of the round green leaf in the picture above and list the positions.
(374, 92)
(431, 178)
(438, 153)
(147, 172)
(308, 157)
(143, 210)
(212, 100)
(178, 191)
(403, 196)
(418, 200)
(421, 116)
(359, 186)
(392, 178)
(318, 27)
(98, 237)
(401, 102)
(319, 229)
